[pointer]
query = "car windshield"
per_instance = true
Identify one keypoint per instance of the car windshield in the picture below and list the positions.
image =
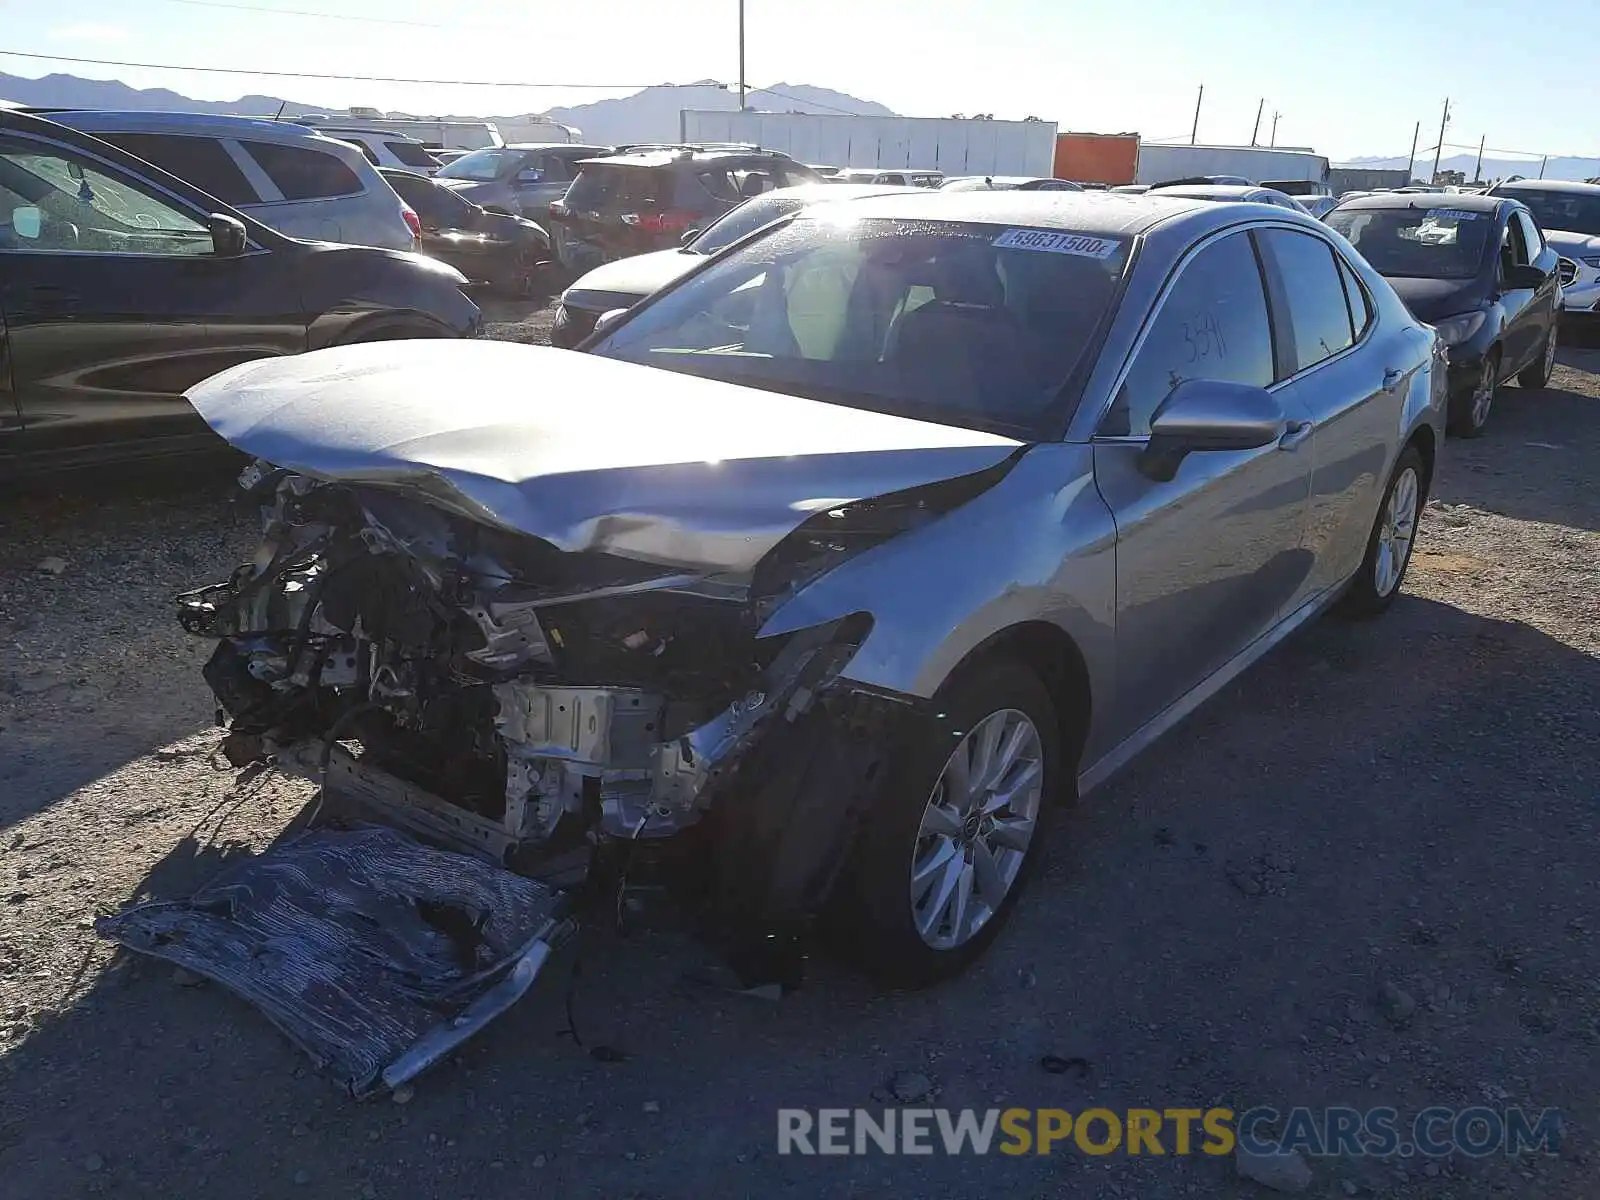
(481, 166)
(967, 324)
(413, 154)
(1421, 243)
(1567, 212)
(747, 218)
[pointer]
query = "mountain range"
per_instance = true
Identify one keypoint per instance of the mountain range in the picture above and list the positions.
(648, 115)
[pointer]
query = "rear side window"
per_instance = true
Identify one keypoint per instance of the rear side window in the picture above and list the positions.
(200, 161)
(302, 174)
(413, 154)
(1313, 293)
(1360, 307)
(1212, 325)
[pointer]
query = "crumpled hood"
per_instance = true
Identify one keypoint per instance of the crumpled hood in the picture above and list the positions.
(637, 276)
(1435, 299)
(587, 453)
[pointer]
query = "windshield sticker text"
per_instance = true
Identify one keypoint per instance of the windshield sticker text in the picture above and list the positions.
(1453, 214)
(1057, 243)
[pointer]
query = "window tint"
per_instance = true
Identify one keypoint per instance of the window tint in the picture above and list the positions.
(52, 199)
(202, 161)
(302, 174)
(1313, 293)
(1356, 295)
(1530, 235)
(1212, 325)
(413, 154)
(616, 189)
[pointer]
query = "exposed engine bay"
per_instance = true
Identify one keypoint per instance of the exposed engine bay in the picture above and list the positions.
(544, 698)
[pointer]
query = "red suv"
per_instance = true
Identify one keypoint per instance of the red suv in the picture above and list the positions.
(645, 198)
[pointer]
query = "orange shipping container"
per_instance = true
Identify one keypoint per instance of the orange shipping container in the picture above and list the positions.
(1108, 158)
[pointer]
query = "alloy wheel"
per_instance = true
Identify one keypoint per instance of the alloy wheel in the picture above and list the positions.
(1396, 531)
(976, 829)
(1483, 394)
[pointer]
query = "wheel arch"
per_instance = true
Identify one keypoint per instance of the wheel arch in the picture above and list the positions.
(1052, 654)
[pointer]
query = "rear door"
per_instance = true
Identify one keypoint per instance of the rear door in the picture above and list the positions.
(1352, 378)
(115, 301)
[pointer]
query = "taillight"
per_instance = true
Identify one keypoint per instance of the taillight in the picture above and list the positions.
(671, 221)
(557, 210)
(414, 223)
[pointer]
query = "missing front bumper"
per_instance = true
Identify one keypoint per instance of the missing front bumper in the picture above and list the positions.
(374, 953)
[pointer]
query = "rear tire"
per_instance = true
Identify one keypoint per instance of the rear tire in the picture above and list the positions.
(1389, 545)
(1470, 415)
(983, 860)
(1537, 373)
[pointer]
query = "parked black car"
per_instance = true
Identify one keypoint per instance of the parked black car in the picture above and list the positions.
(644, 199)
(512, 254)
(1478, 270)
(121, 286)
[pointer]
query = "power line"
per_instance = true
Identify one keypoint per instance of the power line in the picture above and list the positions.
(494, 83)
(299, 12)
(802, 100)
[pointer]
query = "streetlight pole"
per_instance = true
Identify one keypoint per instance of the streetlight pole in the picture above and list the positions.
(1439, 149)
(1256, 131)
(1275, 115)
(741, 55)
(1411, 163)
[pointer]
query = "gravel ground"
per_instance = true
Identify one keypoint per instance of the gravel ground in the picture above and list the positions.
(1406, 805)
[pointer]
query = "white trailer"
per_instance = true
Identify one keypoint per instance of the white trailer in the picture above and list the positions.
(1159, 162)
(956, 147)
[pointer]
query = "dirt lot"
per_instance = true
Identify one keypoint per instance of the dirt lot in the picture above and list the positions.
(1411, 802)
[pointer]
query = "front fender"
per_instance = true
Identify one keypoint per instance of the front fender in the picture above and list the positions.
(1038, 546)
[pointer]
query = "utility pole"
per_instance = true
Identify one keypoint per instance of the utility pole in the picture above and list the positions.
(1194, 133)
(741, 55)
(1411, 163)
(1477, 171)
(1254, 133)
(1439, 149)
(1275, 115)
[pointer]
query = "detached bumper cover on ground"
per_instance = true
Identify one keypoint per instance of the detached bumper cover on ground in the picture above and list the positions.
(376, 954)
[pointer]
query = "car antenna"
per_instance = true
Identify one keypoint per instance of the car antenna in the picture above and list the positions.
(282, 104)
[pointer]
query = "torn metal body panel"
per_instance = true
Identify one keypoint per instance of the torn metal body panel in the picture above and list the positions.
(375, 954)
(659, 467)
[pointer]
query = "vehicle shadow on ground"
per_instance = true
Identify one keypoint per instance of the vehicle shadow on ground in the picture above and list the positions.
(1536, 457)
(63, 727)
(1412, 786)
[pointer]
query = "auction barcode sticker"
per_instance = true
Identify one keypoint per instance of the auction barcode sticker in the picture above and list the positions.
(1453, 214)
(1055, 242)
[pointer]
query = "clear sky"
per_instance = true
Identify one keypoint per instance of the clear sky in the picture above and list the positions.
(1349, 77)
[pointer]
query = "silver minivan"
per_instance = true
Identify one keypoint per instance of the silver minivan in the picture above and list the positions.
(286, 176)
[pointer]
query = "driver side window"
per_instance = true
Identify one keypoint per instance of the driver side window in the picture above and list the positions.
(1211, 325)
(55, 200)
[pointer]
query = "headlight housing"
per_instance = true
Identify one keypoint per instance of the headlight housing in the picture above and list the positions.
(1455, 330)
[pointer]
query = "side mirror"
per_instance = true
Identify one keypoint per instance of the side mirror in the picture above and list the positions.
(689, 235)
(608, 319)
(1524, 276)
(27, 222)
(228, 238)
(530, 176)
(1207, 414)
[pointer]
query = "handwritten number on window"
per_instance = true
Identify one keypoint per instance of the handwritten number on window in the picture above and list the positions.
(1203, 336)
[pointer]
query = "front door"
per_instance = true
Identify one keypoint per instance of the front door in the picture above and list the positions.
(116, 303)
(1208, 561)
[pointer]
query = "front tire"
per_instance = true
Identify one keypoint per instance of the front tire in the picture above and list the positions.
(938, 867)
(1468, 418)
(1537, 373)
(1394, 533)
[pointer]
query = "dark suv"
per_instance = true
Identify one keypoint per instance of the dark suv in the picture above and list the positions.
(122, 286)
(645, 198)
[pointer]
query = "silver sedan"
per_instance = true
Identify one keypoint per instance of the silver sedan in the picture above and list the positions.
(840, 561)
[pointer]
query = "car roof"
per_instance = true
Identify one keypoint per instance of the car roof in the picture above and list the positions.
(1548, 185)
(1213, 191)
(1425, 200)
(199, 124)
(1078, 212)
(666, 156)
(821, 193)
(574, 147)
(362, 130)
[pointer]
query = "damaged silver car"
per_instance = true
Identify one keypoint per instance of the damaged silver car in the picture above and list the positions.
(830, 569)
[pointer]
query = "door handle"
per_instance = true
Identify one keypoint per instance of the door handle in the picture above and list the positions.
(1295, 434)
